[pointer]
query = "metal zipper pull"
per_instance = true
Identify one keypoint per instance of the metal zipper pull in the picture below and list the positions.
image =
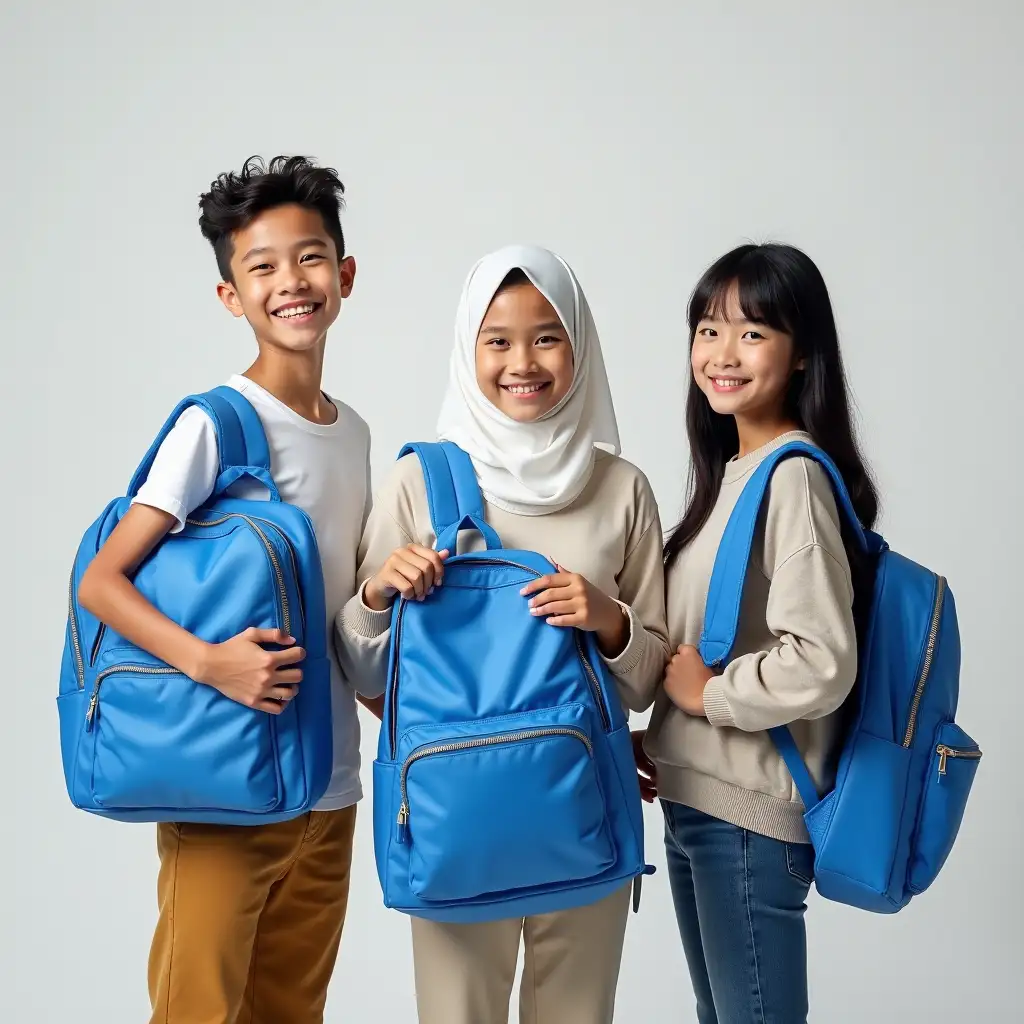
(402, 828)
(90, 715)
(943, 752)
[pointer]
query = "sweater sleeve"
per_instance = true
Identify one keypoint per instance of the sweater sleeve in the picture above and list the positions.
(813, 667)
(640, 667)
(809, 664)
(362, 634)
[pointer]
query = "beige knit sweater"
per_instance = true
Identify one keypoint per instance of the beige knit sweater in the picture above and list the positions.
(794, 662)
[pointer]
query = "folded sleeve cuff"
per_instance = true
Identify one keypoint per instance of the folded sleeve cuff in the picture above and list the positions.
(358, 618)
(716, 707)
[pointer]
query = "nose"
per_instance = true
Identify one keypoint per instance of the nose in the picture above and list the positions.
(522, 359)
(726, 354)
(291, 279)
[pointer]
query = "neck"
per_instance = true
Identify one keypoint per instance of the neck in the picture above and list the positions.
(756, 433)
(294, 378)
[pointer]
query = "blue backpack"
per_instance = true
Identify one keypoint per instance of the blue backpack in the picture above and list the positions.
(504, 783)
(905, 768)
(142, 742)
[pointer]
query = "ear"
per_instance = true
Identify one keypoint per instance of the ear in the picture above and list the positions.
(800, 364)
(228, 294)
(347, 276)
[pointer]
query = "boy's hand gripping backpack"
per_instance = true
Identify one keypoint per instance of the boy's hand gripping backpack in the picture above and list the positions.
(504, 783)
(905, 768)
(142, 742)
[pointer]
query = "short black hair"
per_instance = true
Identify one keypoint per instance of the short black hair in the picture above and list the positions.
(236, 199)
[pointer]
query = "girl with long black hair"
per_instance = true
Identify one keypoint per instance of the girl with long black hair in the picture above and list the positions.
(766, 369)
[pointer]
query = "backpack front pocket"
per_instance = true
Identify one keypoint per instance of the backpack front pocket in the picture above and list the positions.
(952, 768)
(503, 811)
(161, 740)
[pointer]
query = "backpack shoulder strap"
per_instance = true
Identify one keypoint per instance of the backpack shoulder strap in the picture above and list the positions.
(725, 592)
(453, 494)
(241, 442)
(256, 459)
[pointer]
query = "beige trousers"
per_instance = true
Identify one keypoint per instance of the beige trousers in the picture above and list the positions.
(465, 972)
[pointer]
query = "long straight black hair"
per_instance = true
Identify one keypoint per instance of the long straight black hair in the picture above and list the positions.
(778, 286)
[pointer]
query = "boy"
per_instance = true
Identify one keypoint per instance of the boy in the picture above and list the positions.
(251, 916)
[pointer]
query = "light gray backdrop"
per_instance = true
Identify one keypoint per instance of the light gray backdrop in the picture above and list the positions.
(639, 140)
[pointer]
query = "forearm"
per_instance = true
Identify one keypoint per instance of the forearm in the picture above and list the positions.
(112, 598)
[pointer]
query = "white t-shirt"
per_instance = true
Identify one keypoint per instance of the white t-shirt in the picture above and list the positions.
(322, 468)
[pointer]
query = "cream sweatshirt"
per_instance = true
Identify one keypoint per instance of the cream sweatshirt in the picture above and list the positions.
(794, 662)
(611, 534)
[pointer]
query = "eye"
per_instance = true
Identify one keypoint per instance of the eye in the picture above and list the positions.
(707, 332)
(753, 336)
(496, 343)
(311, 256)
(260, 267)
(547, 339)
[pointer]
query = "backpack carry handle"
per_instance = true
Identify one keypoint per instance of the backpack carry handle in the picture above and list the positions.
(453, 494)
(449, 539)
(242, 449)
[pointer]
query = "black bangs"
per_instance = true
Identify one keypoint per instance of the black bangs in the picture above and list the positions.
(761, 277)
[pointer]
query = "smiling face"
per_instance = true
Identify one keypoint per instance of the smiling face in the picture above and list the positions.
(742, 367)
(524, 358)
(287, 280)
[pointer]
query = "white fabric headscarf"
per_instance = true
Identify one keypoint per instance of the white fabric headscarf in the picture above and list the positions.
(543, 466)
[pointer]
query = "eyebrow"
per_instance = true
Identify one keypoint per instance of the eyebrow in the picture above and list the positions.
(304, 244)
(551, 325)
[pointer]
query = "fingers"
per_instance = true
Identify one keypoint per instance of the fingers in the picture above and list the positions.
(557, 608)
(552, 580)
(289, 656)
(268, 636)
(414, 571)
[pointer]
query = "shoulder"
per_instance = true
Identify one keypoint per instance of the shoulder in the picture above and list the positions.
(801, 513)
(617, 482)
(402, 485)
(801, 490)
(351, 425)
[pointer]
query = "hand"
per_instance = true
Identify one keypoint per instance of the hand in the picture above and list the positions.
(645, 769)
(568, 599)
(412, 571)
(247, 673)
(685, 679)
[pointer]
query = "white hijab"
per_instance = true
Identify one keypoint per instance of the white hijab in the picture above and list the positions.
(539, 467)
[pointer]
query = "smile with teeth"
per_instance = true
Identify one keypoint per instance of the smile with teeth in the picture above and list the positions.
(289, 312)
(728, 382)
(525, 389)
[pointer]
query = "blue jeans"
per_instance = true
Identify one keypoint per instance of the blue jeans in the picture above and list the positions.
(740, 901)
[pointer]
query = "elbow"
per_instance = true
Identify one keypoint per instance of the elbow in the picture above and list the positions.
(88, 593)
(836, 685)
(636, 700)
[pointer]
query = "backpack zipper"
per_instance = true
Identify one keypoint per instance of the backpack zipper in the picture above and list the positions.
(945, 752)
(455, 746)
(144, 670)
(282, 589)
(75, 641)
(926, 667)
(595, 686)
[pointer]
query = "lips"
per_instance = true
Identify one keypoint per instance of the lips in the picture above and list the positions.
(728, 383)
(525, 390)
(296, 310)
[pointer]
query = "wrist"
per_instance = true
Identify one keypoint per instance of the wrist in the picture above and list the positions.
(197, 660)
(373, 597)
(614, 635)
